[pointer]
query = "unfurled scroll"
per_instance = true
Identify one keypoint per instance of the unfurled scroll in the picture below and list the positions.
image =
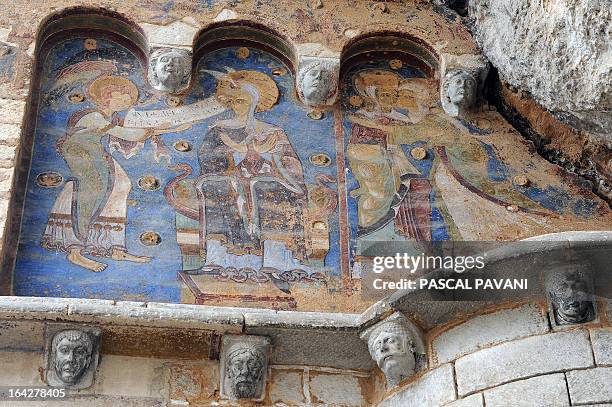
(174, 116)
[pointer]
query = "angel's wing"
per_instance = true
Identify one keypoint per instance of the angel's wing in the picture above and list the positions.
(76, 76)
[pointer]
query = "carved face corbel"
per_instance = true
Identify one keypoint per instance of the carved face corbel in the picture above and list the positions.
(462, 80)
(397, 347)
(170, 69)
(244, 366)
(71, 355)
(317, 80)
(570, 295)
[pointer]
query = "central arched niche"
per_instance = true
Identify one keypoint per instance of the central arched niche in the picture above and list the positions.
(256, 216)
(385, 77)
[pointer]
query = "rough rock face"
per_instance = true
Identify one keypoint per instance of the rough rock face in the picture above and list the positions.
(558, 50)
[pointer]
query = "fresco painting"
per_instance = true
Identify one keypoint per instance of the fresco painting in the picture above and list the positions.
(232, 192)
(418, 175)
(212, 194)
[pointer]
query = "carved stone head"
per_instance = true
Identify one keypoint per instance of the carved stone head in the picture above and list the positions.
(317, 80)
(570, 294)
(244, 365)
(72, 357)
(459, 91)
(462, 78)
(170, 69)
(396, 346)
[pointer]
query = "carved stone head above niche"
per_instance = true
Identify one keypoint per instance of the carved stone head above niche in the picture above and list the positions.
(317, 80)
(461, 81)
(170, 69)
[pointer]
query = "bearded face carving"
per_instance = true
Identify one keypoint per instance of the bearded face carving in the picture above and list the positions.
(570, 295)
(396, 346)
(72, 358)
(317, 80)
(170, 69)
(244, 365)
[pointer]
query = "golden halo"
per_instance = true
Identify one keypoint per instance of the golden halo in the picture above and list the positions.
(99, 90)
(268, 91)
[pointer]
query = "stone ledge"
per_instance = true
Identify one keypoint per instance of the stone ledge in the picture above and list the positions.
(297, 320)
(109, 311)
(298, 337)
(121, 313)
(522, 359)
(475, 400)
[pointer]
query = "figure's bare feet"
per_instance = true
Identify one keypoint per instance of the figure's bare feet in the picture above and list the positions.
(75, 256)
(122, 255)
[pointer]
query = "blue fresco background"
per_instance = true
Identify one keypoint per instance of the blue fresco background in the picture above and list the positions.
(40, 272)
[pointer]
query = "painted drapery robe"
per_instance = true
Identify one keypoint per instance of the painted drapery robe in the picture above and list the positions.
(251, 196)
(90, 212)
(262, 177)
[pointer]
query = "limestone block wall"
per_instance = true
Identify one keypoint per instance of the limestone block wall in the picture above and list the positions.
(511, 357)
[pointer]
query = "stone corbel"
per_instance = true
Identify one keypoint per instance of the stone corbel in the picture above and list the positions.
(71, 355)
(396, 344)
(170, 69)
(170, 54)
(570, 295)
(462, 80)
(318, 72)
(244, 366)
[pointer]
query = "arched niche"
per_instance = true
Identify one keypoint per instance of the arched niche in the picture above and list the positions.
(391, 45)
(416, 176)
(294, 218)
(384, 78)
(76, 22)
(247, 34)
